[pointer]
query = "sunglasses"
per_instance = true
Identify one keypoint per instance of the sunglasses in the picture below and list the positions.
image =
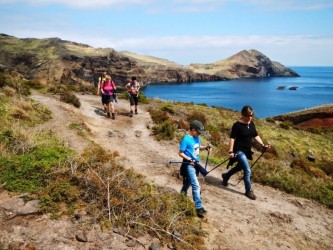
(249, 115)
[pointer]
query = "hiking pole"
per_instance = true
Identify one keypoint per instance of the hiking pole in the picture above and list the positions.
(175, 162)
(253, 163)
(208, 149)
(218, 165)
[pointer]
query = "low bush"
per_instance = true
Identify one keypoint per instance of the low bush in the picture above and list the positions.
(70, 98)
(286, 125)
(197, 115)
(159, 116)
(165, 130)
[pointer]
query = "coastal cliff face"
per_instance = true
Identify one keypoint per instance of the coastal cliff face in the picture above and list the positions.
(54, 60)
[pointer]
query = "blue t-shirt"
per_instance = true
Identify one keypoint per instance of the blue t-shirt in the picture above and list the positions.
(191, 147)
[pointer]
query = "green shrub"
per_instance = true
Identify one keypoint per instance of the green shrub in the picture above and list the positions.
(6, 80)
(28, 172)
(158, 116)
(165, 130)
(286, 125)
(327, 167)
(33, 84)
(168, 109)
(197, 115)
(70, 98)
(183, 124)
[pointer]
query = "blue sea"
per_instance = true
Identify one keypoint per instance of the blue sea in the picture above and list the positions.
(314, 88)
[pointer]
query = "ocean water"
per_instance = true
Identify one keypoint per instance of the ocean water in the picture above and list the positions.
(314, 88)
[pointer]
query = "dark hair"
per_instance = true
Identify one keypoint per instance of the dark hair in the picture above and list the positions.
(247, 110)
(133, 78)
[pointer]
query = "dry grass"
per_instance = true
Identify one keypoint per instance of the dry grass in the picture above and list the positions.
(289, 145)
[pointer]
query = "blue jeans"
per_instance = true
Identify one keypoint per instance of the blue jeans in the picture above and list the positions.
(244, 165)
(192, 180)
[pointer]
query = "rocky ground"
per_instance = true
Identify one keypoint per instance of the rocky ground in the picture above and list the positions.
(275, 220)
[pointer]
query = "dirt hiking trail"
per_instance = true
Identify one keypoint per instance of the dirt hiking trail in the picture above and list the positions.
(275, 220)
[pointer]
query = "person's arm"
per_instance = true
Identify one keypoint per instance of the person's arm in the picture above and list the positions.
(98, 86)
(185, 157)
(101, 88)
(208, 148)
(258, 139)
(231, 148)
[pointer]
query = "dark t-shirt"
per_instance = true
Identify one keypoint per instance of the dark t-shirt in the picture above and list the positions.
(243, 135)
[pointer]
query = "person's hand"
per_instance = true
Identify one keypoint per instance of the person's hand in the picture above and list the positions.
(192, 162)
(266, 147)
(232, 154)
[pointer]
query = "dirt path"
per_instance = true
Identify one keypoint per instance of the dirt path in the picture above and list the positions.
(274, 221)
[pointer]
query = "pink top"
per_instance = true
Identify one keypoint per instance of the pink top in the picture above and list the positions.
(108, 87)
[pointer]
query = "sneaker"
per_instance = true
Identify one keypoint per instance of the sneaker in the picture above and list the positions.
(249, 194)
(201, 212)
(224, 180)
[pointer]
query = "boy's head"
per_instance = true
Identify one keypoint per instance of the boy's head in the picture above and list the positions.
(197, 126)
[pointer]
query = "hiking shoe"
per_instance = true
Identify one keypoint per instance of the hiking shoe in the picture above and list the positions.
(108, 114)
(136, 112)
(113, 116)
(104, 109)
(224, 180)
(249, 194)
(131, 113)
(201, 212)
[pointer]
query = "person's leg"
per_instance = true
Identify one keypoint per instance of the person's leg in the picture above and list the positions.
(131, 104)
(243, 162)
(191, 174)
(112, 108)
(186, 185)
(103, 103)
(247, 175)
(136, 101)
(108, 109)
(231, 172)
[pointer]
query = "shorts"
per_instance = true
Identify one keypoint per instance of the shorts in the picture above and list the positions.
(106, 99)
(134, 99)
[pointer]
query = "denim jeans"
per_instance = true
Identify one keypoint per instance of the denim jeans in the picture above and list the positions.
(192, 180)
(244, 165)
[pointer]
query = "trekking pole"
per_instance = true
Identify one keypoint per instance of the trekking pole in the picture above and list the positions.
(208, 147)
(175, 162)
(218, 165)
(253, 163)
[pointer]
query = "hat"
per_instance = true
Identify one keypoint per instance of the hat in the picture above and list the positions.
(198, 126)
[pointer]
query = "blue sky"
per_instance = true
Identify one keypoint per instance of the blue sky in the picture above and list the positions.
(292, 32)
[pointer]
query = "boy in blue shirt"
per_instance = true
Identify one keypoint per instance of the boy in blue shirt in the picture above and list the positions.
(189, 149)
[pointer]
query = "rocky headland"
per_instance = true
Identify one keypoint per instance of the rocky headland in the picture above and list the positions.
(53, 60)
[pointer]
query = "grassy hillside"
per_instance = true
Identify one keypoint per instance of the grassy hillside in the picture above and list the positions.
(300, 162)
(37, 163)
